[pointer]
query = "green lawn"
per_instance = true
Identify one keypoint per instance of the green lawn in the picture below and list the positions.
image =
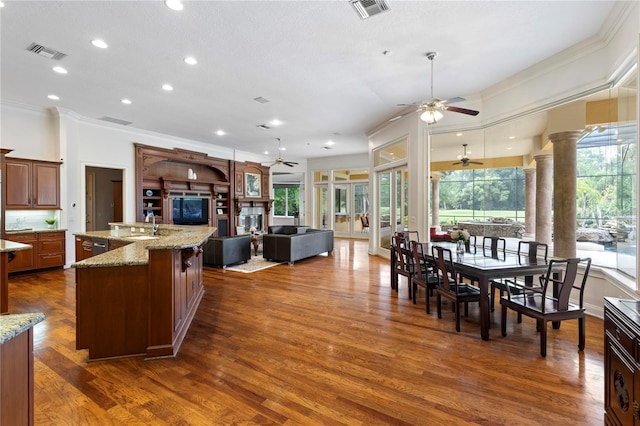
(453, 216)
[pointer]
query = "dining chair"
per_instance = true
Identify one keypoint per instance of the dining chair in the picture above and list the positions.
(425, 276)
(495, 246)
(543, 308)
(448, 285)
(364, 220)
(404, 260)
(528, 250)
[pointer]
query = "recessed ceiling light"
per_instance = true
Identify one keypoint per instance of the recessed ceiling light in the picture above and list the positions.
(458, 134)
(167, 87)
(512, 137)
(220, 132)
(174, 4)
(509, 148)
(330, 143)
(190, 60)
(126, 101)
(99, 43)
(1, 4)
(275, 122)
(266, 153)
(53, 97)
(60, 70)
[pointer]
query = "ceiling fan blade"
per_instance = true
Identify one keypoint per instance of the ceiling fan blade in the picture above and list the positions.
(289, 163)
(461, 110)
(475, 162)
(456, 163)
(453, 100)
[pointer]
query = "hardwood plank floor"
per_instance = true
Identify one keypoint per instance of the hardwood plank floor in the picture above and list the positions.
(323, 342)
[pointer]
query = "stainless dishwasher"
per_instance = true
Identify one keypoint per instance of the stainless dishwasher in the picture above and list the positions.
(99, 246)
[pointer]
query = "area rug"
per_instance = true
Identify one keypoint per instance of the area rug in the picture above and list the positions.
(256, 263)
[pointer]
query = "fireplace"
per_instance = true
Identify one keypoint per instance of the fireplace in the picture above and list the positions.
(252, 217)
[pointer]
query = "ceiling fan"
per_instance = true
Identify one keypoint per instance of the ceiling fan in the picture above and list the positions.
(464, 158)
(431, 110)
(280, 160)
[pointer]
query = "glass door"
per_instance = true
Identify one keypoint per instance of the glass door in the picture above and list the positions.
(342, 210)
(351, 209)
(393, 207)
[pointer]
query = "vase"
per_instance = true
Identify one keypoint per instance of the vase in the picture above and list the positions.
(460, 247)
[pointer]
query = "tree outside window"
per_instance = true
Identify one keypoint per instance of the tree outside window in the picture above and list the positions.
(286, 200)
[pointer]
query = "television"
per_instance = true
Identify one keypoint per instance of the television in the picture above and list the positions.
(190, 211)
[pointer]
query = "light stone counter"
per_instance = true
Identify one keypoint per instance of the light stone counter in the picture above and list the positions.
(9, 246)
(137, 253)
(10, 232)
(13, 325)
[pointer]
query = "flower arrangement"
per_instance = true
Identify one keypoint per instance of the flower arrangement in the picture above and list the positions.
(460, 235)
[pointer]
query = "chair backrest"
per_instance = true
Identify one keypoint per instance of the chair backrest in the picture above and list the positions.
(566, 280)
(533, 249)
(497, 246)
(419, 259)
(444, 266)
(403, 251)
(364, 220)
(409, 235)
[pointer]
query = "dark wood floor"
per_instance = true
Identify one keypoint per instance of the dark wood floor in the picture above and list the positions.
(323, 342)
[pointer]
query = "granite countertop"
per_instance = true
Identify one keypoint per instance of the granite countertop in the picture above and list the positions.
(6, 245)
(32, 230)
(137, 253)
(12, 325)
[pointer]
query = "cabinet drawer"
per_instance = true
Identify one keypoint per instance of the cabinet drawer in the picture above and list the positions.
(50, 246)
(29, 238)
(620, 334)
(50, 260)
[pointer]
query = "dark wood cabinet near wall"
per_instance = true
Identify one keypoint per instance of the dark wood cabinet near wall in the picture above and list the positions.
(622, 362)
(32, 184)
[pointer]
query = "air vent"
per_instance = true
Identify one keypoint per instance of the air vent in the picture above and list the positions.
(115, 120)
(368, 8)
(47, 52)
(326, 147)
(263, 126)
(261, 100)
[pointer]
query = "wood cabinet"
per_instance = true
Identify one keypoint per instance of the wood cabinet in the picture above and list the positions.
(16, 380)
(84, 248)
(622, 362)
(32, 184)
(48, 251)
(25, 260)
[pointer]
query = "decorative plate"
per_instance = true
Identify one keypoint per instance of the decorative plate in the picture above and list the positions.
(149, 193)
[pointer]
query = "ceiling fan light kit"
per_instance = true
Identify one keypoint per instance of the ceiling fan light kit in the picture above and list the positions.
(431, 110)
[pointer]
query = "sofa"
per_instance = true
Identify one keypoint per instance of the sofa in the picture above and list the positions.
(288, 243)
(224, 251)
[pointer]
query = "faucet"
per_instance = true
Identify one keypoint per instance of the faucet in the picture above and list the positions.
(154, 229)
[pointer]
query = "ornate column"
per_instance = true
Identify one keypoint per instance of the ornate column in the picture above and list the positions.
(564, 197)
(544, 186)
(530, 200)
(435, 199)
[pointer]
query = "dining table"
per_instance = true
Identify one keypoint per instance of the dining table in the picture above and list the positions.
(483, 266)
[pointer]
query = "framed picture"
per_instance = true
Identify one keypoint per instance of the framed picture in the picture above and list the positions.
(219, 211)
(252, 185)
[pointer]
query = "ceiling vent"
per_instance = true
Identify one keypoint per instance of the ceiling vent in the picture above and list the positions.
(368, 8)
(47, 52)
(261, 100)
(263, 126)
(115, 120)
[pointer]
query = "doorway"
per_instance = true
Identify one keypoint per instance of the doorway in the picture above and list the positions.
(103, 197)
(351, 205)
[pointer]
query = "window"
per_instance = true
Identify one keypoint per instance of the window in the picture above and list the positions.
(286, 199)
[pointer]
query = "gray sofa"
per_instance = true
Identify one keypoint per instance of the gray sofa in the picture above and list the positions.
(223, 251)
(290, 243)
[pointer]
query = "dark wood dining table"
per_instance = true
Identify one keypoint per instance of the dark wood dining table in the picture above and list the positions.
(482, 267)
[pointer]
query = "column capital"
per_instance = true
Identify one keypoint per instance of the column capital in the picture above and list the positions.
(529, 170)
(568, 136)
(542, 157)
(435, 175)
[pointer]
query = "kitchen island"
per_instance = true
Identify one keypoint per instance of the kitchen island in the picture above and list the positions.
(16, 368)
(139, 300)
(8, 251)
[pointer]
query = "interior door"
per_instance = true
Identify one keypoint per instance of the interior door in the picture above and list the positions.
(342, 210)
